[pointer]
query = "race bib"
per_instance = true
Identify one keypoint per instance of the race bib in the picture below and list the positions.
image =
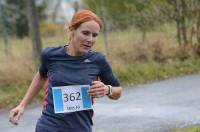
(71, 98)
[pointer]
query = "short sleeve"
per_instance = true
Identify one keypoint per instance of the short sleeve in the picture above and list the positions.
(43, 64)
(106, 74)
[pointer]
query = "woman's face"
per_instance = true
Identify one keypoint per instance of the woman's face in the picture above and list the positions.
(84, 37)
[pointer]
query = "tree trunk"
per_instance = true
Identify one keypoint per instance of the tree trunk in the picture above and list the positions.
(144, 36)
(4, 28)
(5, 40)
(105, 30)
(76, 6)
(105, 37)
(178, 24)
(54, 14)
(34, 30)
(179, 32)
(192, 33)
(198, 27)
(101, 11)
(183, 22)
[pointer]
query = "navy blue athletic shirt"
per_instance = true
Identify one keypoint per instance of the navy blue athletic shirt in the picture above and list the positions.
(62, 69)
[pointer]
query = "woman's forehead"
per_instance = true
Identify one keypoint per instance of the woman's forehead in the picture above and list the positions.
(90, 25)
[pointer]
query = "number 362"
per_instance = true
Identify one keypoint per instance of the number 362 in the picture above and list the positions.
(72, 96)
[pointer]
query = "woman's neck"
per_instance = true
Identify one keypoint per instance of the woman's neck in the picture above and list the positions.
(70, 50)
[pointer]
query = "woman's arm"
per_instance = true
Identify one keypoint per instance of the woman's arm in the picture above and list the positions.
(116, 93)
(32, 91)
(98, 89)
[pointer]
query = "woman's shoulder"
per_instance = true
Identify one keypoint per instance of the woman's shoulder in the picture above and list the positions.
(52, 50)
(99, 58)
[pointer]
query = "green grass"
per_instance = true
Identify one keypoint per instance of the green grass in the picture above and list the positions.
(11, 95)
(132, 61)
(193, 128)
(140, 73)
(132, 74)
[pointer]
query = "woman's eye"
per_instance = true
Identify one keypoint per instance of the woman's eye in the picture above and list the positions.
(86, 32)
(95, 34)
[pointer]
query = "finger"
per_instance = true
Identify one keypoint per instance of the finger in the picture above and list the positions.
(12, 116)
(97, 90)
(94, 82)
(96, 85)
(13, 121)
(18, 116)
(98, 96)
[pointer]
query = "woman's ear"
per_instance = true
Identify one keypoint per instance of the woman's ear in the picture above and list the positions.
(71, 34)
(67, 28)
(67, 31)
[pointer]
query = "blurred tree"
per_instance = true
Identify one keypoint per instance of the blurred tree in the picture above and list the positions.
(124, 14)
(76, 6)
(186, 15)
(55, 11)
(197, 15)
(147, 14)
(3, 25)
(118, 13)
(34, 29)
(16, 16)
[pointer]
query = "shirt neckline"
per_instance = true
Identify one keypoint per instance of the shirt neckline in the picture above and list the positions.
(81, 56)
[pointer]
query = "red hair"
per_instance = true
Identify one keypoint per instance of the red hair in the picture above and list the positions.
(83, 16)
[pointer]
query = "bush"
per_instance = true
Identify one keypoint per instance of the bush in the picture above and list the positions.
(51, 29)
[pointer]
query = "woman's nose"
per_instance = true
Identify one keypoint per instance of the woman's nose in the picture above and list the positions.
(90, 38)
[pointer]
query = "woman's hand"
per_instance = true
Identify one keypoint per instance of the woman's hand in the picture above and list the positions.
(32, 91)
(15, 114)
(98, 89)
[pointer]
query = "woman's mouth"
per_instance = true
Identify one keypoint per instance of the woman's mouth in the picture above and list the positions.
(87, 46)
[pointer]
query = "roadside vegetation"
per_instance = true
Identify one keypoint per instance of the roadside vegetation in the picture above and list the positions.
(144, 41)
(133, 62)
(193, 128)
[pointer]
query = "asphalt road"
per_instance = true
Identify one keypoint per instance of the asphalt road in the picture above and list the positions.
(155, 107)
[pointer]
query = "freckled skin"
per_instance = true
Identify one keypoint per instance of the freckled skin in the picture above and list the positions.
(83, 38)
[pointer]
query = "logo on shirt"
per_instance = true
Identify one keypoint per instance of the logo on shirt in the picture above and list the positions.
(87, 61)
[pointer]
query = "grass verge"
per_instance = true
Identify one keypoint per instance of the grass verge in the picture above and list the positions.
(140, 73)
(193, 128)
(131, 74)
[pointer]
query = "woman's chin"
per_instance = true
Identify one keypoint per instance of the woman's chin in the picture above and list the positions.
(84, 51)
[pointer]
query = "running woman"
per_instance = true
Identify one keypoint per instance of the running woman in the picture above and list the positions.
(71, 65)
